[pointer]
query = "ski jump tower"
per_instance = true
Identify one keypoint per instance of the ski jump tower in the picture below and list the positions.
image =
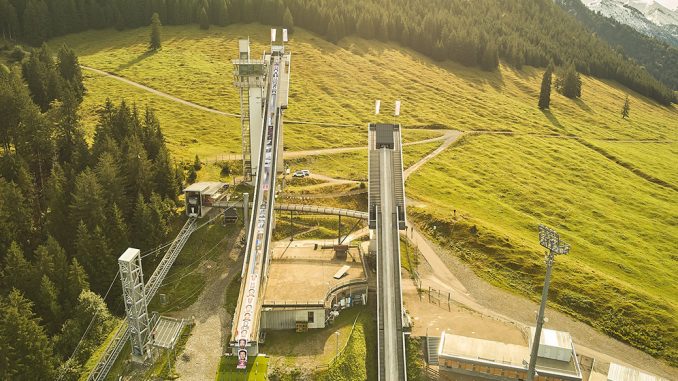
(250, 76)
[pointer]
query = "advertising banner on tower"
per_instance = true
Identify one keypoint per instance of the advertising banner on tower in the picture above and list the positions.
(242, 359)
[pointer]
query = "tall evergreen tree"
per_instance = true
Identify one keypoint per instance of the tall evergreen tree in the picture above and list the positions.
(9, 22)
(333, 31)
(288, 21)
(87, 204)
(203, 19)
(69, 68)
(570, 83)
(155, 42)
(76, 283)
(489, 60)
(25, 349)
(545, 93)
(56, 219)
(36, 22)
(47, 304)
(16, 270)
(626, 108)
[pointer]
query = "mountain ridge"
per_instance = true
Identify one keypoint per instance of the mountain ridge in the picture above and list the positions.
(652, 19)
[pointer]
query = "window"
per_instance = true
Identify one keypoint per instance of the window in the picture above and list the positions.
(310, 316)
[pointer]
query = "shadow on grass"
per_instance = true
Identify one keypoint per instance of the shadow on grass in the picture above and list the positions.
(136, 60)
(582, 105)
(552, 119)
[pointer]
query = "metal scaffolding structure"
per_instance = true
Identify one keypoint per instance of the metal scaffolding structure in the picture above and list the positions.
(249, 75)
(134, 295)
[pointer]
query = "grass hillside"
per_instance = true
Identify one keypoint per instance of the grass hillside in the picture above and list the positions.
(607, 185)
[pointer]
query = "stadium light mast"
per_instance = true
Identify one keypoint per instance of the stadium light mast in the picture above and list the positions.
(549, 239)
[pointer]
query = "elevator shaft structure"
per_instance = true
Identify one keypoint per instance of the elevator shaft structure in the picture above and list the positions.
(245, 331)
(134, 295)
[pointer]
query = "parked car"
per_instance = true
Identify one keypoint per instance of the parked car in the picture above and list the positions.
(298, 174)
(306, 172)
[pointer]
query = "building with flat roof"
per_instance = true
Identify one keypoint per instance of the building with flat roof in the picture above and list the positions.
(468, 358)
(604, 371)
(201, 196)
(302, 291)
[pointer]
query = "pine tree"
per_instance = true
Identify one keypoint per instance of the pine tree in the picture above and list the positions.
(164, 176)
(87, 202)
(57, 222)
(141, 233)
(69, 69)
(626, 108)
(138, 170)
(570, 83)
(489, 60)
(204, 20)
(192, 175)
(9, 22)
(76, 283)
(222, 14)
(14, 97)
(36, 22)
(47, 304)
(90, 308)
(197, 164)
(25, 349)
(111, 180)
(155, 42)
(333, 31)
(116, 230)
(545, 93)
(16, 270)
(288, 21)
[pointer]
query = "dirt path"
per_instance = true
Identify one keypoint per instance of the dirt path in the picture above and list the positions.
(159, 93)
(447, 135)
(200, 358)
(445, 272)
(450, 137)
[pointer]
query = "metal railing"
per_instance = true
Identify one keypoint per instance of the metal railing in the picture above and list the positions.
(168, 260)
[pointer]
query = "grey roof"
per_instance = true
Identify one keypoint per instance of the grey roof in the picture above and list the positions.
(622, 373)
(205, 187)
(129, 254)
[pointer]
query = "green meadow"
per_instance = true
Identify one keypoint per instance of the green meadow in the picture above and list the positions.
(608, 185)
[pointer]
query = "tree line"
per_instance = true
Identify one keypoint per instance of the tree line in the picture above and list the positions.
(69, 210)
(477, 33)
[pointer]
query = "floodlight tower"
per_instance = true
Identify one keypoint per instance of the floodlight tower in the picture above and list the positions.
(249, 75)
(549, 239)
(134, 295)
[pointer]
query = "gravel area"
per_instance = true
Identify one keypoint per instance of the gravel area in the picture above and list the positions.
(204, 348)
(518, 308)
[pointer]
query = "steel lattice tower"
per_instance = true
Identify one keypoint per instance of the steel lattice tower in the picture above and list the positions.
(134, 295)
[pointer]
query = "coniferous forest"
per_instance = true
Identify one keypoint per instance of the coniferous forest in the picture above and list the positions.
(521, 32)
(69, 210)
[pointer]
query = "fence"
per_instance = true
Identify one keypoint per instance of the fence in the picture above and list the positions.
(336, 356)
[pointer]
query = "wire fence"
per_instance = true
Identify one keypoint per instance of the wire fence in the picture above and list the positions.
(339, 353)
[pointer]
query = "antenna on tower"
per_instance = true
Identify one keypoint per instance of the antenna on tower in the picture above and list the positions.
(284, 35)
(376, 107)
(273, 34)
